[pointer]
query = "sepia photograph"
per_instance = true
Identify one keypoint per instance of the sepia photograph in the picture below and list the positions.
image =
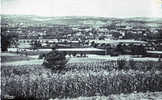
(81, 50)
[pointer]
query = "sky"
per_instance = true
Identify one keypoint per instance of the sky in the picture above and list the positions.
(102, 8)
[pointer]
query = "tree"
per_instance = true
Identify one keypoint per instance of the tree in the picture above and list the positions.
(93, 44)
(55, 60)
(7, 38)
(4, 42)
(36, 44)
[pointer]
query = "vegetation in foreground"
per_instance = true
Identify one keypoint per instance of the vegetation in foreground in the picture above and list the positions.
(39, 83)
(132, 96)
(120, 64)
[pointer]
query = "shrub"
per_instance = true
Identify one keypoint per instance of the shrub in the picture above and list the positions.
(41, 56)
(55, 60)
(121, 63)
(132, 64)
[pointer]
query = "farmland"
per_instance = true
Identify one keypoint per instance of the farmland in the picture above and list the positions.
(92, 58)
(97, 77)
(132, 96)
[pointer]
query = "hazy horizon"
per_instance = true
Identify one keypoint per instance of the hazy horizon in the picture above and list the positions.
(85, 8)
(81, 16)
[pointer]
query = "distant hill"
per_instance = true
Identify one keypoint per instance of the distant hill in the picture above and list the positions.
(145, 20)
(72, 20)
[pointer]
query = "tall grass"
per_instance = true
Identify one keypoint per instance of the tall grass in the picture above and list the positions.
(40, 83)
(120, 64)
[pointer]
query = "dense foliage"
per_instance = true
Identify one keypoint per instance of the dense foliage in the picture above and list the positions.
(81, 79)
(55, 60)
(7, 39)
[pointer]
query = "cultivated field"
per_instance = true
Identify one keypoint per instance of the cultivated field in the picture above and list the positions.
(132, 96)
(97, 78)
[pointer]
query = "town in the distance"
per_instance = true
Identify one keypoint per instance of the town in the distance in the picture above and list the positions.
(81, 36)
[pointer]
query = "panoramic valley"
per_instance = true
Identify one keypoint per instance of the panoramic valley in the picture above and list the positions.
(81, 58)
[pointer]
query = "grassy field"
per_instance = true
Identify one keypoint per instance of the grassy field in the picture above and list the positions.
(10, 57)
(30, 52)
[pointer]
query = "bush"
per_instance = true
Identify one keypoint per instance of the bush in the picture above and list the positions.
(55, 60)
(41, 56)
(132, 64)
(121, 63)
